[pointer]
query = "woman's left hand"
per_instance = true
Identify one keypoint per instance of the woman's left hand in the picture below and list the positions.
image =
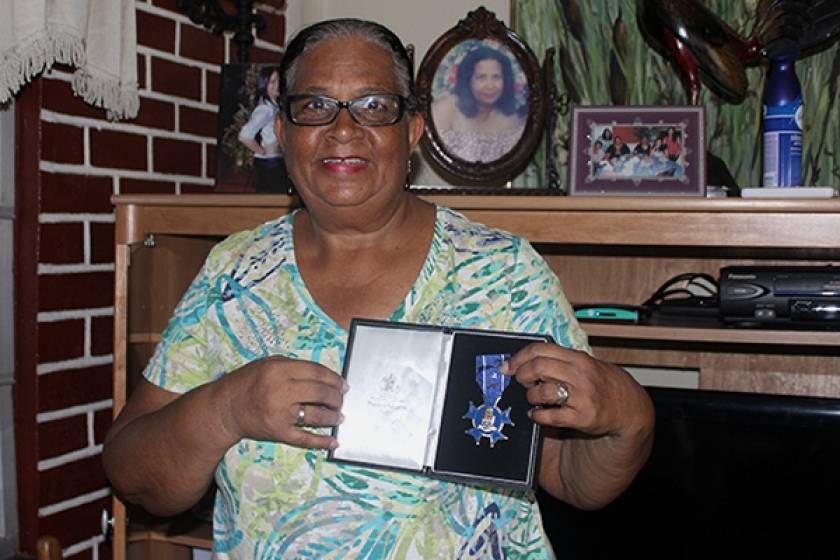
(571, 389)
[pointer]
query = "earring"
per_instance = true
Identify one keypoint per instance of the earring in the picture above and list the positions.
(408, 177)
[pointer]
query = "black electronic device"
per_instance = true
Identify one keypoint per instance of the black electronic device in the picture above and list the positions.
(780, 295)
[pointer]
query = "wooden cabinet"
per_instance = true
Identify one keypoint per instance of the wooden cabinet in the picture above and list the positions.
(603, 249)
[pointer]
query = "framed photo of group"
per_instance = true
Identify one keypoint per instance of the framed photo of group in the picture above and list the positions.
(629, 151)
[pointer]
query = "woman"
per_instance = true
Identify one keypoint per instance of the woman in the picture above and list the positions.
(479, 123)
(258, 134)
(248, 363)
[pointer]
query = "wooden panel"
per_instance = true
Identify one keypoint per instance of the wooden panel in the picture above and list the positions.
(159, 276)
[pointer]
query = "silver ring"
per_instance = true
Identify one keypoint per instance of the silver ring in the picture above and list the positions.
(301, 417)
(562, 395)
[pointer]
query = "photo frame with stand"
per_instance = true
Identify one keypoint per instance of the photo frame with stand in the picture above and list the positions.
(637, 150)
(485, 99)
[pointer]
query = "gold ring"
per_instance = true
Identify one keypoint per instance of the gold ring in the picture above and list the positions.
(562, 395)
(301, 417)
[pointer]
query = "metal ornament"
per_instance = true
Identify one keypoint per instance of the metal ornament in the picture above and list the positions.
(488, 419)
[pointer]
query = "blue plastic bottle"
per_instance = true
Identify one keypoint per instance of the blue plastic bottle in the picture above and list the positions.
(782, 124)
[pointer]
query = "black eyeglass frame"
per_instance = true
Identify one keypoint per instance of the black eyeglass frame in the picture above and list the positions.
(403, 104)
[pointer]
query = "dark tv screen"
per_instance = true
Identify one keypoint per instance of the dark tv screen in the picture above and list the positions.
(731, 475)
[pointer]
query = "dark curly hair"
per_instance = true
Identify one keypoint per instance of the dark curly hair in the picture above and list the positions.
(466, 101)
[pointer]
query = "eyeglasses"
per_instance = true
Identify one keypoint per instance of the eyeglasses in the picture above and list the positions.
(381, 109)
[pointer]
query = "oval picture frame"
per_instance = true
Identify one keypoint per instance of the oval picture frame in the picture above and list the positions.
(457, 142)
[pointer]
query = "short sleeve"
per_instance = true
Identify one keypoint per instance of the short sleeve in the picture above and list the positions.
(538, 302)
(180, 362)
(261, 117)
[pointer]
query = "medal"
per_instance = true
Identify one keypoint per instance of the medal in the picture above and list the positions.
(488, 419)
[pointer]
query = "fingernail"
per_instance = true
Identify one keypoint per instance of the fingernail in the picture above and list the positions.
(340, 418)
(504, 368)
(344, 387)
(334, 444)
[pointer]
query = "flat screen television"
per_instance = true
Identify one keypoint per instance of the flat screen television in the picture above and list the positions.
(731, 475)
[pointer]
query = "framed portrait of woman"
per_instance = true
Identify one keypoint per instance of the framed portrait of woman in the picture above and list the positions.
(483, 95)
(247, 158)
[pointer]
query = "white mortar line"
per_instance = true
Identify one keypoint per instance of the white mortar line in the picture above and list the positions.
(56, 218)
(180, 100)
(72, 457)
(53, 316)
(88, 336)
(91, 428)
(50, 116)
(75, 363)
(142, 49)
(52, 167)
(73, 411)
(74, 502)
(91, 543)
(86, 145)
(46, 269)
(86, 242)
(150, 155)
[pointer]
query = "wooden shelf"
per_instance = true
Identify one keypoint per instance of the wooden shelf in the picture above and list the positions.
(602, 248)
(198, 536)
(670, 333)
(717, 335)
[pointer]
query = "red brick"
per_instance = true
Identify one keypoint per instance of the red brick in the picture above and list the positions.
(61, 340)
(101, 242)
(195, 188)
(102, 420)
(156, 114)
(200, 44)
(275, 29)
(75, 291)
(62, 243)
(141, 71)
(196, 121)
(102, 336)
(62, 143)
(74, 387)
(76, 524)
(155, 31)
(76, 193)
(146, 186)
(62, 436)
(166, 5)
(122, 150)
(71, 479)
(177, 156)
(212, 87)
(59, 97)
(265, 55)
(210, 170)
(176, 79)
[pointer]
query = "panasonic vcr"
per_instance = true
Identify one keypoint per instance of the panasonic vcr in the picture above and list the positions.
(780, 295)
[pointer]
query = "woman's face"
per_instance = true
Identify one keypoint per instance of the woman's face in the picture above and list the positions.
(487, 82)
(344, 164)
(273, 87)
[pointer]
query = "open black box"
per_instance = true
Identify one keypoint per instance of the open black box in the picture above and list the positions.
(415, 404)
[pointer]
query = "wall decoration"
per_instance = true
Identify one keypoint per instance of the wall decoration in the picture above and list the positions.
(247, 159)
(604, 59)
(484, 98)
(620, 150)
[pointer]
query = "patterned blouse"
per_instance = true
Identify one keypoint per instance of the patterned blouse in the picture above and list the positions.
(276, 501)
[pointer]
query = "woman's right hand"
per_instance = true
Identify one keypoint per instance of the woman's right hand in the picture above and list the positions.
(263, 399)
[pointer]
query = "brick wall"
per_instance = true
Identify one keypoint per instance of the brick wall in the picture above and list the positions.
(70, 161)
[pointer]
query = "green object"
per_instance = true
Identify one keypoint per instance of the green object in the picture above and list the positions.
(607, 313)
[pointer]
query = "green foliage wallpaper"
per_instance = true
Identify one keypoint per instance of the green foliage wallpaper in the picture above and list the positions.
(601, 55)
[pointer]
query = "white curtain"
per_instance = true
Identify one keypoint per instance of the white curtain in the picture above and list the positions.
(98, 37)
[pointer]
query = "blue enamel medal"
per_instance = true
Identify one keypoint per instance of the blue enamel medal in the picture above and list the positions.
(488, 419)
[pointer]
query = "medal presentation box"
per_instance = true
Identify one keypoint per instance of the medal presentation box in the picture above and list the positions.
(432, 400)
